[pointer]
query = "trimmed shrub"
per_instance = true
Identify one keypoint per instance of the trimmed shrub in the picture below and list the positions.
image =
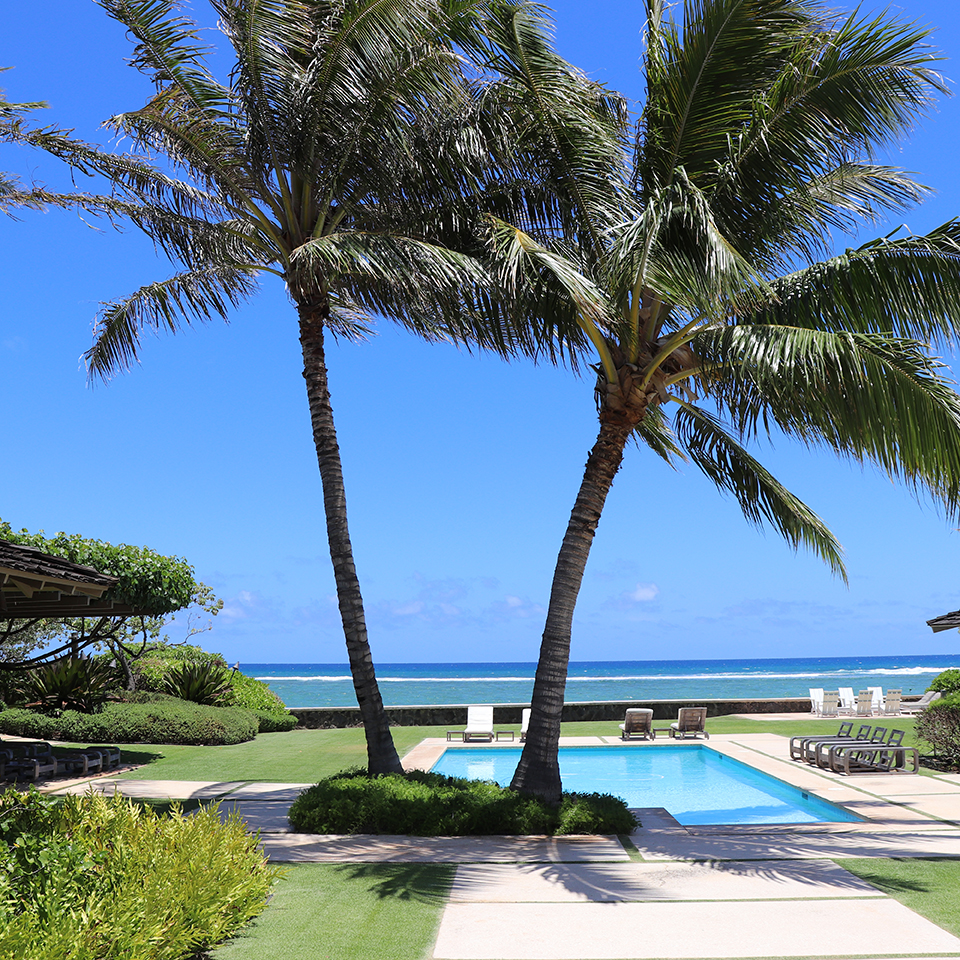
(103, 879)
(163, 721)
(275, 722)
(946, 682)
(430, 805)
(939, 726)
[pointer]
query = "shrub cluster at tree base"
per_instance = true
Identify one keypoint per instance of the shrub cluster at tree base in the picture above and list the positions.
(432, 805)
(92, 878)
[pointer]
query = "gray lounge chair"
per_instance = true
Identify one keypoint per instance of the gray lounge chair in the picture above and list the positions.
(830, 705)
(637, 722)
(797, 743)
(691, 722)
(917, 706)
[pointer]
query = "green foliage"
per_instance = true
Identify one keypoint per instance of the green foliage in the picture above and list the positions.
(939, 726)
(80, 683)
(946, 682)
(275, 722)
(91, 878)
(153, 666)
(197, 682)
(148, 580)
(254, 694)
(430, 804)
(167, 720)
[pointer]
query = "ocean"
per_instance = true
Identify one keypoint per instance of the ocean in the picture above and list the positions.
(423, 684)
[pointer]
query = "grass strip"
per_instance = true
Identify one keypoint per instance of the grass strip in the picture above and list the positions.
(382, 911)
(928, 886)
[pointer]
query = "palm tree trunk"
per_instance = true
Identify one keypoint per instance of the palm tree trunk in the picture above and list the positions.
(538, 772)
(381, 753)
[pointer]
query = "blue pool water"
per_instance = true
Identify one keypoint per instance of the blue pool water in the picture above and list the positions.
(695, 784)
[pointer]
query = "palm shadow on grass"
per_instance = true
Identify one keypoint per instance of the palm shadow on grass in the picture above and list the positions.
(419, 882)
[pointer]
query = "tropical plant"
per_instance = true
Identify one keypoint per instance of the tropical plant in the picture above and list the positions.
(338, 155)
(198, 682)
(73, 683)
(946, 682)
(694, 283)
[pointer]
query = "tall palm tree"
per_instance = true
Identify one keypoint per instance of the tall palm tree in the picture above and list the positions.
(709, 318)
(340, 150)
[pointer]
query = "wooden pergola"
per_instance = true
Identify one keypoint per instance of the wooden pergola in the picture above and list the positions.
(34, 584)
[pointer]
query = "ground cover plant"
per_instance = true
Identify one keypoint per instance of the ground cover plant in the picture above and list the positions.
(424, 804)
(91, 878)
(370, 911)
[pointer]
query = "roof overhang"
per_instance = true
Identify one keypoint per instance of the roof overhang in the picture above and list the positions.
(949, 621)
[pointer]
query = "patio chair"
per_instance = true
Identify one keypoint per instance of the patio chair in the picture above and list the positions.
(891, 703)
(690, 722)
(830, 705)
(811, 749)
(479, 723)
(917, 706)
(825, 751)
(864, 704)
(877, 693)
(797, 743)
(637, 722)
(524, 723)
(848, 702)
(816, 699)
(882, 757)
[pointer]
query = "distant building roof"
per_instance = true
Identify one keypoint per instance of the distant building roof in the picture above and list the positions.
(37, 584)
(949, 621)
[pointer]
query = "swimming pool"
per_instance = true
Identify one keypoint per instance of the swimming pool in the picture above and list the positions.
(695, 784)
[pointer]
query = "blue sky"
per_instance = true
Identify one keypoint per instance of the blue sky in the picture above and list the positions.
(460, 470)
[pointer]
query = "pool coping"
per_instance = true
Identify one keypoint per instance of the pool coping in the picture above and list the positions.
(893, 802)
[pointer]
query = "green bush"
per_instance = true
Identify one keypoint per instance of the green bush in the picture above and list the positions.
(253, 694)
(152, 668)
(275, 722)
(197, 682)
(939, 726)
(160, 721)
(81, 683)
(91, 878)
(430, 805)
(947, 682)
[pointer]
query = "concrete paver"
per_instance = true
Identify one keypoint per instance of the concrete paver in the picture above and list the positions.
(157, 789)
(601, 882)
(265, 816)
(610, 931)
(304, 848)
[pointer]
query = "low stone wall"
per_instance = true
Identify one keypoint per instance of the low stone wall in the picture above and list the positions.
(507, 714)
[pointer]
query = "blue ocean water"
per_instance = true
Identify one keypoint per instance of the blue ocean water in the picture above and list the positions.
(423, 684)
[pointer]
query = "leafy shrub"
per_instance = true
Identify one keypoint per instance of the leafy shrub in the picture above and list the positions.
(80, 683)
(197, 682)
(152, 668)
(163, 721)
(939, 726)
(947, 682)
(91, 877)
(430, 804)
(275, 722)
(253, 694)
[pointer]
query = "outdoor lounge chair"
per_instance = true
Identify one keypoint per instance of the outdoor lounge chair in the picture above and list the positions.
(848, 702)
(796, 743)
(823, 754)
(877, 757)
(816, 699)
(830, 705)
(524, 723)
(864, 704)
(479, 723)
(877, 693)
(811, 746)
(690, 722)
(637, 722)
(891, 703)
(918, 706)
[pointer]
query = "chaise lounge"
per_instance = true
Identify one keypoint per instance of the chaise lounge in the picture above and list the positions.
(637, 722)
(479, 724)
(691, 721)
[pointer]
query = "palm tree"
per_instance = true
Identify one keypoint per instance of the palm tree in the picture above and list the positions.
(341, 148)
(709, 317)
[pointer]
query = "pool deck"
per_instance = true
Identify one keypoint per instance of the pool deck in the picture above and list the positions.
(683, 892)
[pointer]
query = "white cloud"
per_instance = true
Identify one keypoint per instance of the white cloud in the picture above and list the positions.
(643, 593)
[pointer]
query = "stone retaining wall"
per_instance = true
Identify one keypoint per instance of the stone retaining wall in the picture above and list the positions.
(505, 714)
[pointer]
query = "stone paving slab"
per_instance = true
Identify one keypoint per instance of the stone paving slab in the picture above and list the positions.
(158, 789)
(784, 845)
(624, 931)
(265, 816)
(269, 791)
(311, 848)
(602, 882)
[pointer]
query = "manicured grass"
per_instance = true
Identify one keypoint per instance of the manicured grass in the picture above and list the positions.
(373, 911)
(930, 887)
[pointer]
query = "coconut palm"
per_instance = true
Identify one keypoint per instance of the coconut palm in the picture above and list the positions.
(708, 316)
(339, 153)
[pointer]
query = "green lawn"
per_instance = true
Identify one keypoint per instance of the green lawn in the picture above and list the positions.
(304, 756)
(364, 911)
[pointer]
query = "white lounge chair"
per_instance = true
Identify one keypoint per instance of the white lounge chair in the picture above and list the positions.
(848, 702)
(877, 693)
(479, 723)
(637, 722)
(524, 723)
(917, 706)
(816, 699)
(691, 721)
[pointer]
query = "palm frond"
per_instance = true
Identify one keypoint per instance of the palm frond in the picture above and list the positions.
(761, 496)
(168, 305)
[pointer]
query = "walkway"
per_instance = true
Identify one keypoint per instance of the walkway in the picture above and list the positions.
(697, 892)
